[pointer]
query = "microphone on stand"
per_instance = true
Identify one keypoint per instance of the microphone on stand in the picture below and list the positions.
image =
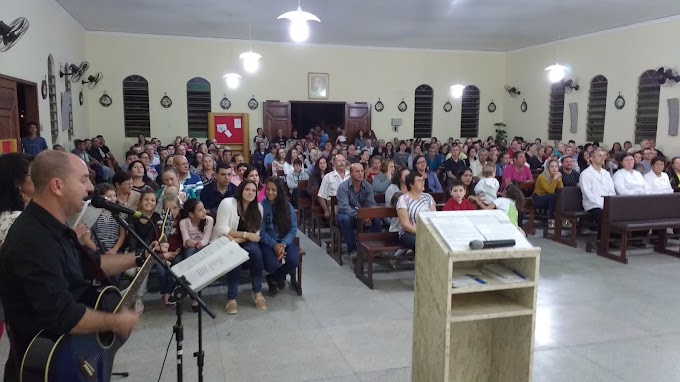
(99, 201)
(489, 244)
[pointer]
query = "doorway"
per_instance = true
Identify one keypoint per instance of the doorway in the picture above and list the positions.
(305, 115)
(18, 107)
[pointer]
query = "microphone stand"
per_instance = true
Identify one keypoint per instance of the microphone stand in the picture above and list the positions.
(181, 291)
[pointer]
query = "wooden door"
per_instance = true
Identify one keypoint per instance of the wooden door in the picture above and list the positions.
(357, 117)
(9, 110)
(276, 116)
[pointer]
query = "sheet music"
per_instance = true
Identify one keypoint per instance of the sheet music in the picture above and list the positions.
(211, 263)
(88, 215)
(459, 228)
(457, 232)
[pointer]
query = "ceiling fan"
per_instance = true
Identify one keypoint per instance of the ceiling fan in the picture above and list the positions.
(10, 34)
(92, 81)
(75, 71)
(513, 91)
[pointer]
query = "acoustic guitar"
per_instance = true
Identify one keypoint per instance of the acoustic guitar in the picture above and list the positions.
(82, 357)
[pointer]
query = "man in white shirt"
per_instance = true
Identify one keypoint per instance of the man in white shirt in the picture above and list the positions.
(596, 183)
(331, 181)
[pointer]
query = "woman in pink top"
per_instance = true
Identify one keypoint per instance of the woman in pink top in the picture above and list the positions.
(252, 174)
(196, 228)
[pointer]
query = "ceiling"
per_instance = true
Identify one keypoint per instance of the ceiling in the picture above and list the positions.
(481, 25)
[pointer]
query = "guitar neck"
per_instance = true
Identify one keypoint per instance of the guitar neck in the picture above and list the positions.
(131, 292)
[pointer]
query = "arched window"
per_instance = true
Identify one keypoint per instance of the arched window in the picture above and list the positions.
(68, 98)
(647, 115)
(422, 113)
(198, 106)
(52, 96)
(556, 112)
(469, 112)
(597, 106)
(136, 106)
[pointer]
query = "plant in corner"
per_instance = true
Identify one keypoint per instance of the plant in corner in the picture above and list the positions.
(501, 134)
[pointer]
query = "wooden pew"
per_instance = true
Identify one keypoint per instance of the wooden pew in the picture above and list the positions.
(569, 207)
(528, 189)
(296, 278)
(624, 214)
(371, 244)
(304, 206)
(334, 245)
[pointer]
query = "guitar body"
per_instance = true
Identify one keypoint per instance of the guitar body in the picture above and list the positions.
(77, 358)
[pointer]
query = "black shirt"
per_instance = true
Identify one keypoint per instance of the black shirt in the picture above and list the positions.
(454, 166)
(211, 198)
(42, 276)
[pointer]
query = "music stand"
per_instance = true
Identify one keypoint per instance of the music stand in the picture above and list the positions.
(181, 291)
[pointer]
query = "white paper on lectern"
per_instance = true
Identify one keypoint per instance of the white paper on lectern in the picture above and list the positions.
(459, 228)
(211, 263)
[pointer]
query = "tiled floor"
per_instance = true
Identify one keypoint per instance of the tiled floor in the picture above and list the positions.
(598, 320)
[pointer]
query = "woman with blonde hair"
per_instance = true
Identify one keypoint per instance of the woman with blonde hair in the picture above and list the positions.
(545, 192)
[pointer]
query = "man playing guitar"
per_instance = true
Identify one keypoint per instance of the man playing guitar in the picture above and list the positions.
(44, 272)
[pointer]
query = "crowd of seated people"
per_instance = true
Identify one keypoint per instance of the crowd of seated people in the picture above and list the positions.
(195, 192)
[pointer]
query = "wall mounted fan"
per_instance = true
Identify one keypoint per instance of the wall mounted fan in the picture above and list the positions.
(666, 74)
(10, 34)
(92, 81)
(513, 91)
(75, 71)
(570, 85)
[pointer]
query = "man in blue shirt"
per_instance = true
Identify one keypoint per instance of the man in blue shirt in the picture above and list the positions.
(269, 158)
(433, 160)
(352, 194)
(33, 144)
(189, 180)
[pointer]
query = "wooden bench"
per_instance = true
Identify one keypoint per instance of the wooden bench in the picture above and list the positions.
(296, 278)
(334, 245)
(371, 244)
(304, 206)
(568, 207)
(527, 189)
(624, 214)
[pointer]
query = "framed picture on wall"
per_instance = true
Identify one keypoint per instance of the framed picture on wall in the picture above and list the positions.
(317, 85)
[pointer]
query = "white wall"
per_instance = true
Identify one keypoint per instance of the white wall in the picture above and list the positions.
(356, 74)
(621, 56)
(51, 31)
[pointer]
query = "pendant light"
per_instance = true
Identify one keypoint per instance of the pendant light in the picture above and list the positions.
(299, 30)
(557, 72)
(457, 90)
(251, 60)
(233, 80)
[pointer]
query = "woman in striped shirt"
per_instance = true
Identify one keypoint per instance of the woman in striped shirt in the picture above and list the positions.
(408, 207)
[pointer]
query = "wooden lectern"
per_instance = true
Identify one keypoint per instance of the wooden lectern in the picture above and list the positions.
(482, 330)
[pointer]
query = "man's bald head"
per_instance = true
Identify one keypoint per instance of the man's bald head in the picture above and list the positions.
(49, 165)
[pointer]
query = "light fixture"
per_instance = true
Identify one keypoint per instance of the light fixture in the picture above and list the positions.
(233, 80)
(457, 90)
(251, 61)
(557, 72)
(299, 30)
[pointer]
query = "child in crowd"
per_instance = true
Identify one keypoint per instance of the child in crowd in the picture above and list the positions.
(458, 201)
(107, 234)
(488, 186)
(196, 226)
(169, 223)
(293, 178)
(511, 203)
(149, 230)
